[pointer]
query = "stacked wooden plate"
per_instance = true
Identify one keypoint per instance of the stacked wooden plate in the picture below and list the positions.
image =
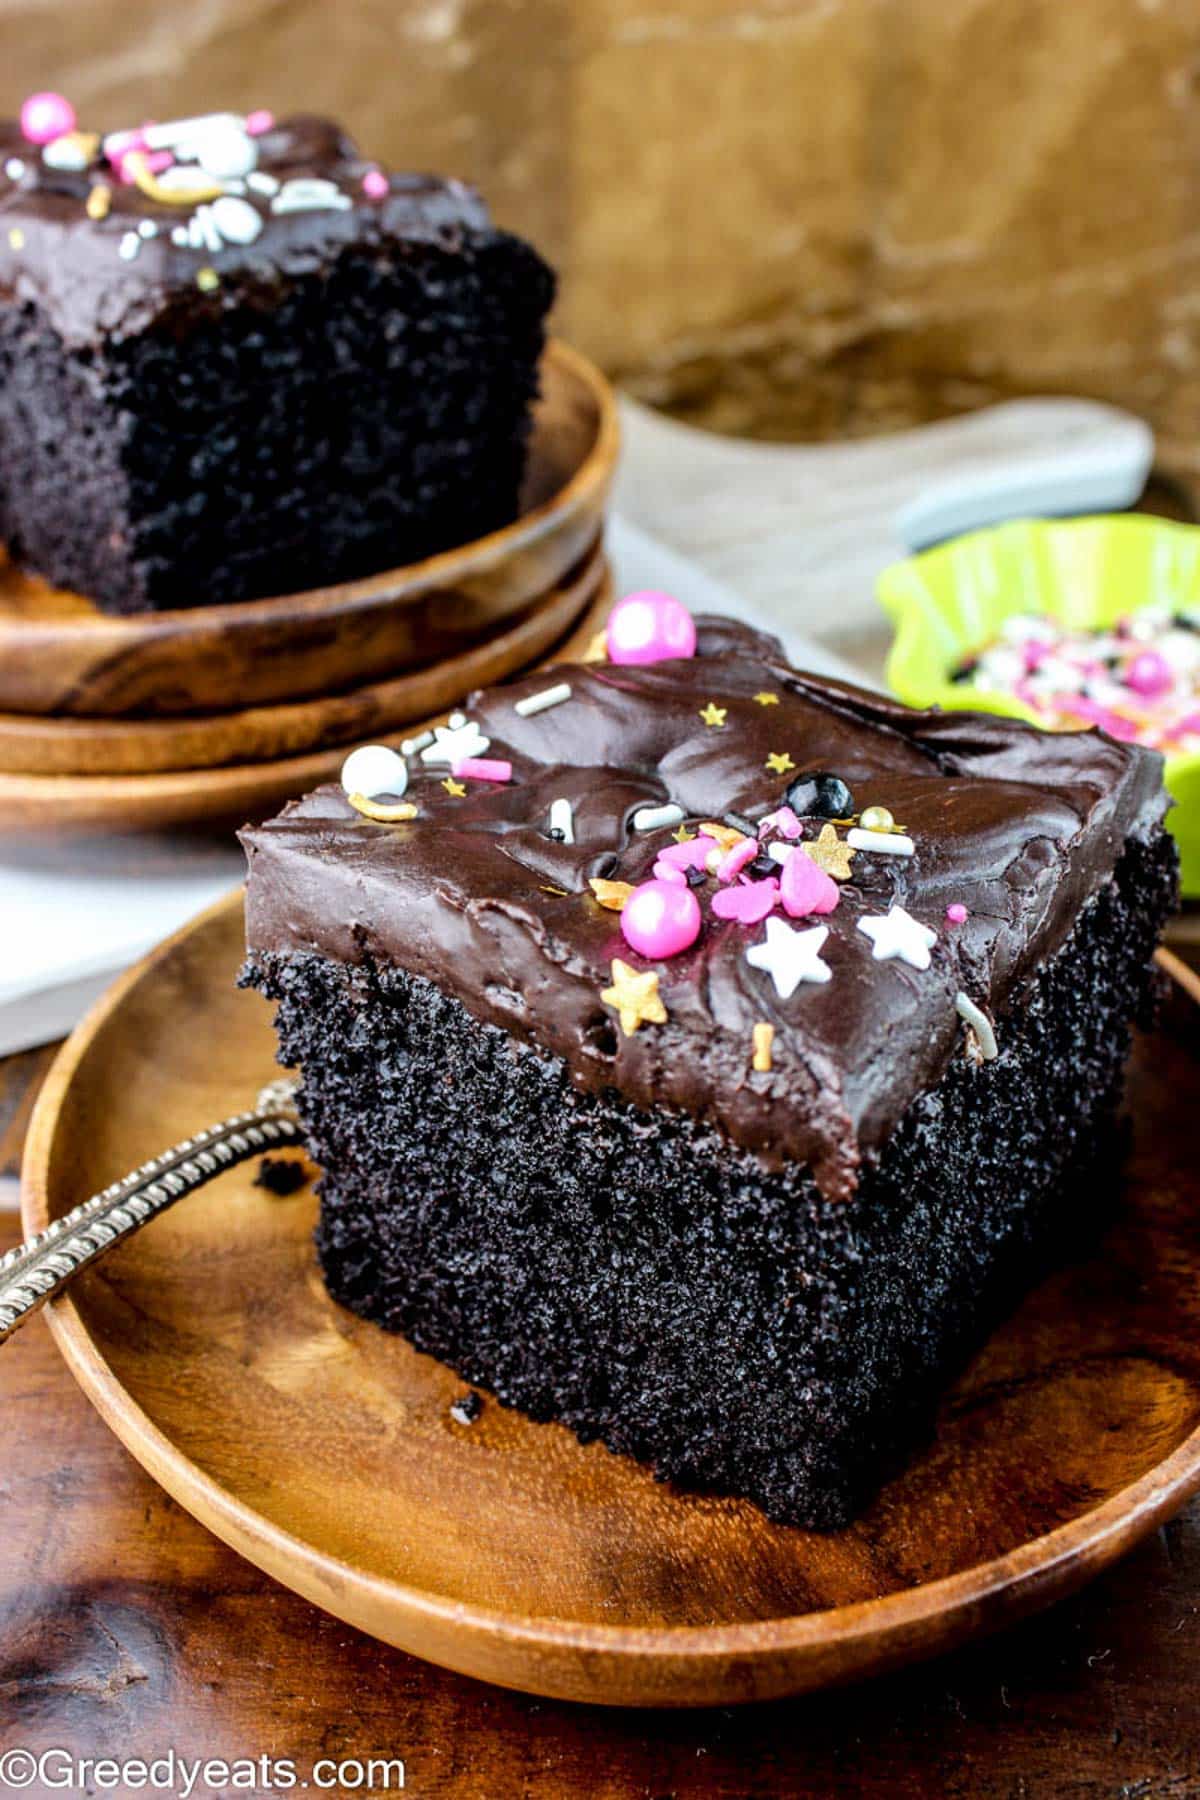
(129, 722)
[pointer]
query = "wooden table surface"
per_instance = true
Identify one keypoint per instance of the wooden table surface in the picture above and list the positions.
(127, 1630)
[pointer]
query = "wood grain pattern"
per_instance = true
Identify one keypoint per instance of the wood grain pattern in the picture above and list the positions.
(59, 654)
(39, 745)
(37, 805)
(505, 1549)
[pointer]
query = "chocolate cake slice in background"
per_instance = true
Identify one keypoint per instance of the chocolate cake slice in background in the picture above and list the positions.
(237, 359)
(742, 1210)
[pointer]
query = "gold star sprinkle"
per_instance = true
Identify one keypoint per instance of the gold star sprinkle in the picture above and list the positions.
(207, 279)
(455, 789)
(634, 997)
(612, 895)
(713, 715)
(780, 763)
(831, 854)
(382, 815)
(682, 835)
(16, 238)
(764, 1037)
(767, 699)
(99, 200)
(725, 835)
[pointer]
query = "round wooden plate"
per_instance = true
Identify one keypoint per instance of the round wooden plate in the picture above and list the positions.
(324, 1450)
(38, 745)
(60, 654)
(37, 805)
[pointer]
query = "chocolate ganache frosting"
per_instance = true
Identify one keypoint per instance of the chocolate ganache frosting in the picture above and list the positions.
(1016, 826)
(106, 235)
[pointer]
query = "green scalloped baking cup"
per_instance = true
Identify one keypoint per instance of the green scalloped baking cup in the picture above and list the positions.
(948, 602)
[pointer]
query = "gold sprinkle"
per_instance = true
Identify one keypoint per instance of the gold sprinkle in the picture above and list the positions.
(207, 279)
(767, 699)
(99, 200)
(612, 895)
(764, 1037)
(545, 887)
(16, 238)
(780, 763)
(597, 650)
(725, 835)
(712, 714)
(136, 165)
(382, 815)
(831, 854)
(455, 789)
(877, 818)
(683, 836)
(635, 997)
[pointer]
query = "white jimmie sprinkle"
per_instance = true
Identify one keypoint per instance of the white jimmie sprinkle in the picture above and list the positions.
(880, 843)
(649, 818)
(410, 746)
(980, 1024)
(562, 821)
(536, 703)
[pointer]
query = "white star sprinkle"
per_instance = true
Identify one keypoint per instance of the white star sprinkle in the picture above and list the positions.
(897, 933)
(790, 956)
(455, 743)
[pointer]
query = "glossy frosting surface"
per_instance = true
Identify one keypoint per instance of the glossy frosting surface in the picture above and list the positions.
(1020, 827)
(105, 276)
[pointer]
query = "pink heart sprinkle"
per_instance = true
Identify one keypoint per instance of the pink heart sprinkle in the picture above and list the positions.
(692, 855)
(738, 857)
(804, 888)
(748, 902)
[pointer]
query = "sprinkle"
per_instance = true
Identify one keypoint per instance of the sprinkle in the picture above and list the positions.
(784, 821)
(542, 702)
(262, 183)
(877, 818)
(611, 895)
(830, 853)
(410, 746)
(897, 934)
(780, 763)
(650, 818)
(597, 650)
(748, 902)
(634, 997)
(455, 789)
(207, 279)
(781, 853)
(259, 120)
(683, 836)
(665, 871)
(980, 1024)
(14, 168)
(791, 956)
(129, 246)
(562, 821)
(16, 238)
(482, 769)
(735, 860)
(383, 815)
(956, 913)
(548, 887)
(884, 843)
(805, 889)
(764, 1037)
(310, 193)
(458, 739)
(376, 185)
(147, 229)
(375, 769)
(713, 714)
(740, 823)
(725, 835)
(136, 167)
(767, 700)
(691, 854)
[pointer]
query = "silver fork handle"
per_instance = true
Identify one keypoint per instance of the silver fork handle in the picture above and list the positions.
(40, 1268)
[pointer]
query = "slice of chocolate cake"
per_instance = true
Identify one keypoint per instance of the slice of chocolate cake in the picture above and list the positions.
(698, 1052)
(237, 359)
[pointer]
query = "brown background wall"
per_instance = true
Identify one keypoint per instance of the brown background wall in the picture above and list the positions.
(796, 216)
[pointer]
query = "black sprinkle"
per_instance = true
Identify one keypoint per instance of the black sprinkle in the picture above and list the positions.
(695, 877)
(281, 1175)
(557, 833)
(740, 823)
(467, 1408)
(762, 866)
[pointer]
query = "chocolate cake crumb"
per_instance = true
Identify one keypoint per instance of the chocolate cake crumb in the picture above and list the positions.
(281, 1175)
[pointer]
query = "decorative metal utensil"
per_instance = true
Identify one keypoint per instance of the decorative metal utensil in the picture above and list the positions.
(38, 1270)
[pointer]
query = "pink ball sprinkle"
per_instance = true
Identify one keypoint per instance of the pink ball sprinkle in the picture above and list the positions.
(650, 627)
(956, 912)
(660, 919)
(45, 117)
(482, 768)
(376, 185)
(259, 121)
(1149, 675)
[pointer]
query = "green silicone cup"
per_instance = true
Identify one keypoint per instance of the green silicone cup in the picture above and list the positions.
(948, 602)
